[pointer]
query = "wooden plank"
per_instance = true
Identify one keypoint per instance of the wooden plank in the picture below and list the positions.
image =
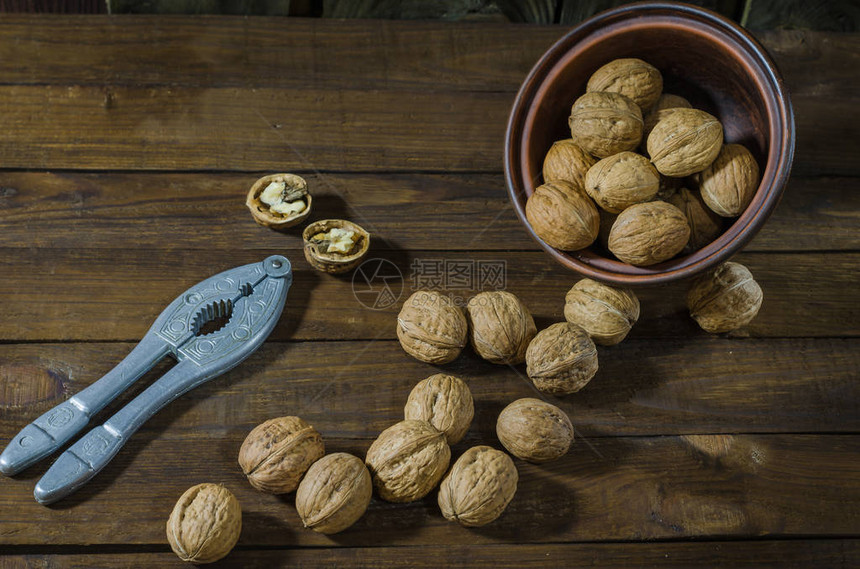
(355, 389)
(97, 294)
(776, 554)
(405, 211)
(183, 128)
(615, 489)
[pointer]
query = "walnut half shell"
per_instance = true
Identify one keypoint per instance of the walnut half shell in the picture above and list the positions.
(279, 201)
(335, 245)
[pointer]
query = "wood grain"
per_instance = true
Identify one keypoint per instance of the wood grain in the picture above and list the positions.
(403, 211)
(355, 389)
(97, 294)
(775, 554)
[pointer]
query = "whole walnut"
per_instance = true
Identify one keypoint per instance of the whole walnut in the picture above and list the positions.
(561, 359)
(445, 402)
(631, 77)
(605, 123)
(649, 233)
(407, 460)
(705, 225)
(500, 327)
(730, 182)
(606, 313)
(431, 328)
(563, 216)
(479, 487)
(205, 524)
(276, 454)
(685, 142)
(568, 162)
(621, 180)
(534, 430)
(724, 299)
(334, 493)
(660, 110)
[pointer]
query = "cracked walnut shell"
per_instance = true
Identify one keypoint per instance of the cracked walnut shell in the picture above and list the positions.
(605, 123)
(445, 402)
(649, 233)
(479, 487)
(606, 313)
(407, 460)
(431, 328)
(334, 493)
(276, 454)
(724, 299)
(729, 184)
(534, 430)
(563, 216)
(279, 201)
(561, 359)
(568, 162)
(501, 327)
(205, 524)
(335, 245)
(641, 82)
(621, 180)
(685, 142)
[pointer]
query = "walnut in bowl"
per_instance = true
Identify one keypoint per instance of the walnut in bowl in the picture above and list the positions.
(279, 201)
(335, 245)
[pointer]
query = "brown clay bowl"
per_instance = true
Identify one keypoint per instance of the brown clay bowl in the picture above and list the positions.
(704, 57)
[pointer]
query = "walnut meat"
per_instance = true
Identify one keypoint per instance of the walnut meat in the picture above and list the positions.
(205, 524)
(407, 461)
(568, 162)
(639, 81)
(705, 225)
(500, 327)
(685, 142)
(479, 487)
(279, 201)
(649, 233)
(621, 180)
(606, 313)
(534, 430)
(605, 123)
(445, 402)
(276, 454)
(724, 299)
(431, 328)
(335, 245)
(730, 182)
(561, 359)
(334, 493)
(563, 216)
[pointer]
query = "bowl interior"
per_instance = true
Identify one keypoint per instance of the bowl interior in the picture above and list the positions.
(708, 64)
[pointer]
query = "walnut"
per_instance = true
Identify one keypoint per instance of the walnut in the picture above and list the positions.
(445, 402)
(501, 327)
(276, 454)
(662, 109)
(685, 142)
(725, 298)
(335, 245)
(561, 359)
(563, 216)
(407, 460)
(730, 182)
(431, 328)
(649, 233)
(633, 78)
(334, 493)
(622, 180)
(479, 487)
(568, 162)
(279, 201)
(606, 313)
(705, 225)
(534, 430)
(205, 524)
(605, 123)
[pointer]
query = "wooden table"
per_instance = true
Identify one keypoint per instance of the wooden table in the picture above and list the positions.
(127, 145)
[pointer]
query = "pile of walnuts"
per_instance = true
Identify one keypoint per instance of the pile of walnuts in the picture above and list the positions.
(600, 186)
